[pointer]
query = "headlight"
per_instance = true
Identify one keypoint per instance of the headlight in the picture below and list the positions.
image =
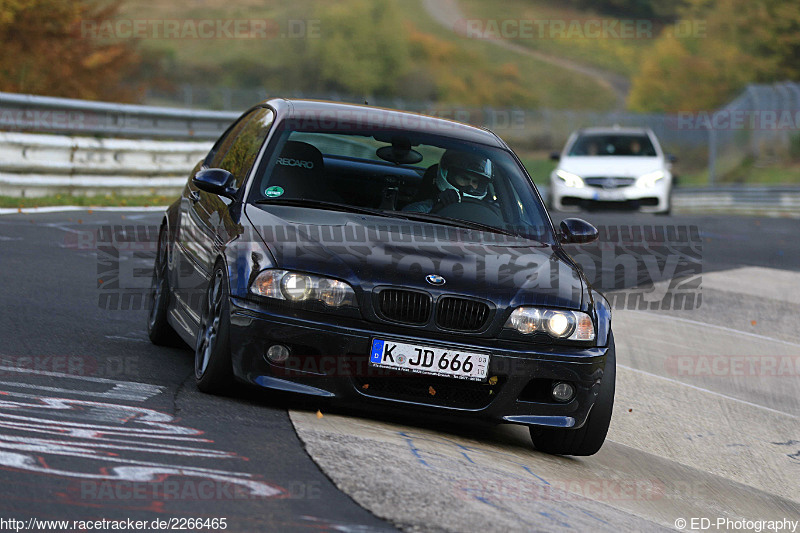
(297, 287)
(571, 180)
(648, 181)
(569, 325)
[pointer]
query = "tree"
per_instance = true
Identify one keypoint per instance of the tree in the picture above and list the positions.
(46, 50)
(715, 50)
(361, 49)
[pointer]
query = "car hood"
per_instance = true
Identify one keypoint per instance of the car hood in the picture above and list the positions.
(370, 252)
(606, 166)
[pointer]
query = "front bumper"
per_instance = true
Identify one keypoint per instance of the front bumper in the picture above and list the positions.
(330, 360)
(655, 199)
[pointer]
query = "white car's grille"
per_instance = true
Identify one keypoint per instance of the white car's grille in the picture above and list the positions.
(609, 183)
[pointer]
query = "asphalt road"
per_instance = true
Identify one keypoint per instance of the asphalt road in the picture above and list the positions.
(95, 422)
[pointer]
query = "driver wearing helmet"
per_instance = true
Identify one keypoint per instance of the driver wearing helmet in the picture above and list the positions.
(461, 175)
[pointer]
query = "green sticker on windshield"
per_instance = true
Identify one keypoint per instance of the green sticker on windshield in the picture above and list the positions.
(274, 192)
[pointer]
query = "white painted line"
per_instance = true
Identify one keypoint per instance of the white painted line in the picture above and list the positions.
(739, 400)
(65, 208)
(118, 392)
(722, 328)
(131, 384)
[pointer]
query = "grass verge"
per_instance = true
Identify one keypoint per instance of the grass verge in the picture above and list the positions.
(87, 201)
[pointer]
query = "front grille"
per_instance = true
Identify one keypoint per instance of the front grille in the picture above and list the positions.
(432, 390)
(460, 314)
(609, 183)
(408, 307)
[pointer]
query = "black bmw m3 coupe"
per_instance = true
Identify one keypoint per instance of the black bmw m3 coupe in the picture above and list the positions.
(386, 261)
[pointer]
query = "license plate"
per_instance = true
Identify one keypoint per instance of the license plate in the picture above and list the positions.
(429, 360)
(609, 195)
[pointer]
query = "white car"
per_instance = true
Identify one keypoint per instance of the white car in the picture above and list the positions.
(620, 167)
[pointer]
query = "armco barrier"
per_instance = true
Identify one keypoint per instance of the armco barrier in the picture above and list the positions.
(25, 112)
(40, 165)
(766, 201)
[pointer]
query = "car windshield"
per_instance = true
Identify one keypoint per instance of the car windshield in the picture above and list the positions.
(406, 175)
(627, 145)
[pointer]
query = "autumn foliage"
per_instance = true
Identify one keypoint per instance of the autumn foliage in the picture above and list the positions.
(715, 50)
(44, 52)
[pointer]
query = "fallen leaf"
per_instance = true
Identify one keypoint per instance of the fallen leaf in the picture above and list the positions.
(431, 391)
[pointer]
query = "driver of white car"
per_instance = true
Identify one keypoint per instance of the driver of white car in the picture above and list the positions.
(460, 175)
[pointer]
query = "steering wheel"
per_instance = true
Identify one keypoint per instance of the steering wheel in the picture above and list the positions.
(471, 210)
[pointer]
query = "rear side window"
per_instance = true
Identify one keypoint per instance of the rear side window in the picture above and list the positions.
(237, 151)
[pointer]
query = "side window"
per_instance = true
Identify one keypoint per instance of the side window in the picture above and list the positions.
(224, 142)
(238, 151)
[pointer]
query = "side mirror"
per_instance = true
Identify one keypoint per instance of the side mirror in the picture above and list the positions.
(577, 231)
(215, 181)
(555, 156)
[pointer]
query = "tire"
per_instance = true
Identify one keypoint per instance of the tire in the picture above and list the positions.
(588, 439)
(159, 330)
(212, 356)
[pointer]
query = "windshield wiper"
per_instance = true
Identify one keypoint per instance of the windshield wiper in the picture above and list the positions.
(405, 215)
(321, 204)
(455, 222)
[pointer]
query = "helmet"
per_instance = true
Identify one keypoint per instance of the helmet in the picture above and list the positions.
(467, 174)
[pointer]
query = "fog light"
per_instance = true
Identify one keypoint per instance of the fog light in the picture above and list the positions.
(278, 353)
(563, 392)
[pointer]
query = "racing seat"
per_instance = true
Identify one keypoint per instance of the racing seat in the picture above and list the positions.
(300, 172)
(427, 187)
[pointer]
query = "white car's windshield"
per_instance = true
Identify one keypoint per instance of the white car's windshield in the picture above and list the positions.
(628, 145)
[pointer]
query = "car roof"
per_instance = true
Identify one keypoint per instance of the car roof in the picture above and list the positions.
(381, 118)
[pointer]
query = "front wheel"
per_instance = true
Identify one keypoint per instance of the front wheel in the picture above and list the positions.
(212, 355)
(588, 439)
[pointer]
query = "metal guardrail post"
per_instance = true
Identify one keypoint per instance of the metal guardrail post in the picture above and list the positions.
(712, 153)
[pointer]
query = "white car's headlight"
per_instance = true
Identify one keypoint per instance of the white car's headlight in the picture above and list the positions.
(648, 181)
(569, 325)
(297, 287)
(570, 179)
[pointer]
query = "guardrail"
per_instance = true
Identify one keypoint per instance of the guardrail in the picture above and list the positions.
(766, 201)
(24, 112)
(41, 165)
